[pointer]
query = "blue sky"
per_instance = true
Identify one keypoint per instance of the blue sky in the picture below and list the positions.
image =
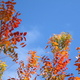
(41, 19)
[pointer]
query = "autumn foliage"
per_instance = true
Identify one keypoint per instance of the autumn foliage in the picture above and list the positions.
(53, 68)
(8, 23)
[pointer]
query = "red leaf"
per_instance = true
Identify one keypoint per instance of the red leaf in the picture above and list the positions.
(12, 0)
(24, 38)
(8, 2)
(24, 33)
(17, 22)
(24, 45)
(21, 33)
(15, 25)
(17, 33)
(7, 32)
(11, 34)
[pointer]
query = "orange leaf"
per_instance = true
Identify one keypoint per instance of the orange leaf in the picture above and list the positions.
(78, 69)
(78, 48)
(78, 51)
(55, 43)
(77, 64)
(77, 78)
(21, 43)
(2, 2)
(1, 7)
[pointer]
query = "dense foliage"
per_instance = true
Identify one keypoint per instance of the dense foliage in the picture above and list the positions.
(48, 68)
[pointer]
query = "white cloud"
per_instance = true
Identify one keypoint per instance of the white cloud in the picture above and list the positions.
(33, 35)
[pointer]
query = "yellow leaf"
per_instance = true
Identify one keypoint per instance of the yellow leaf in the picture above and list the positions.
(38, 56)
(56, 47)
(26, 78)
(59, 37)
(64, 52)
(55, 43)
